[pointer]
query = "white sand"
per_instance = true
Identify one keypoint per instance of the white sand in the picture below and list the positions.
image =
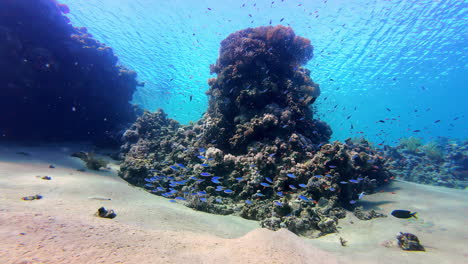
(61, 228)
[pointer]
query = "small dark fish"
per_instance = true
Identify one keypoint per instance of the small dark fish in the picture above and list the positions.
(348, 117)
(331, 79)
(332, 166)
(404, 214)
(209, 8)
(381, 121)
(51, 166)
(191, 97)
(281, 20)
(417, 130)
(437, 121)
(388, 109)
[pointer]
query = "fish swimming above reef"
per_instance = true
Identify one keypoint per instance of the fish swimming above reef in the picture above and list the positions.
(404, 214)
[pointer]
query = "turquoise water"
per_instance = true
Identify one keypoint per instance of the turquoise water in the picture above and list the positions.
(374, 60)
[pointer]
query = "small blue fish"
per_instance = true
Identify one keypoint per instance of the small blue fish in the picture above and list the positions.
(318, 176)
(302, 197)
(210, 159)
(203, 199)
(205, 174)
(160, 189)
(271, 155)
(201, 150)
(215, 181)
(252, 165)
(181, 198)
(149, 185)
(172, 201)
(201, 157)
(331, 189)
(218, 200)
(290, 175)
(205, 165)
(280, 194)
(239, 179)
(332, 166)
(228, 191)
(216, 177)
(278, 203)
(248, 202)
(269, 180)
(361, 195)
(259, 194)
(174, 168)
(343, 182)
(181, 165)
(328, 175)
(200, 180)
(264, 184)
(193, 178)
(354, 181)
(201, 193)
(360, 178)
(302, 185)
(292, 187)
(352, 202)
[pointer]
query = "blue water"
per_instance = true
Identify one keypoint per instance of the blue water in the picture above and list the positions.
(407, 56)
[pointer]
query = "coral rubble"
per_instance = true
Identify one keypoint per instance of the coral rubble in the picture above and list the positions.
(57, 81)
(257, 152)
(443, 163)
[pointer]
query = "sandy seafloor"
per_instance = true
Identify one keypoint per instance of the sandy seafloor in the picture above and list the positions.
(62, 228)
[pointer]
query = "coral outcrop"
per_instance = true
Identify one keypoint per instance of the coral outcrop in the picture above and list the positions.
(257, 152)
(57, 81)
(443, 163)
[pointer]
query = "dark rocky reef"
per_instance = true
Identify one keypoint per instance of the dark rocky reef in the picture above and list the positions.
(441, 163)
(57, 81)
(257, 152)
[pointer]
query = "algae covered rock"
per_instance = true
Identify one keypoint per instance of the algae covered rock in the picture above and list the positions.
(410, 242)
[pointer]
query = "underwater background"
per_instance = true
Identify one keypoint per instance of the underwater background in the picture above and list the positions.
(385, 68)
(237, 131)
